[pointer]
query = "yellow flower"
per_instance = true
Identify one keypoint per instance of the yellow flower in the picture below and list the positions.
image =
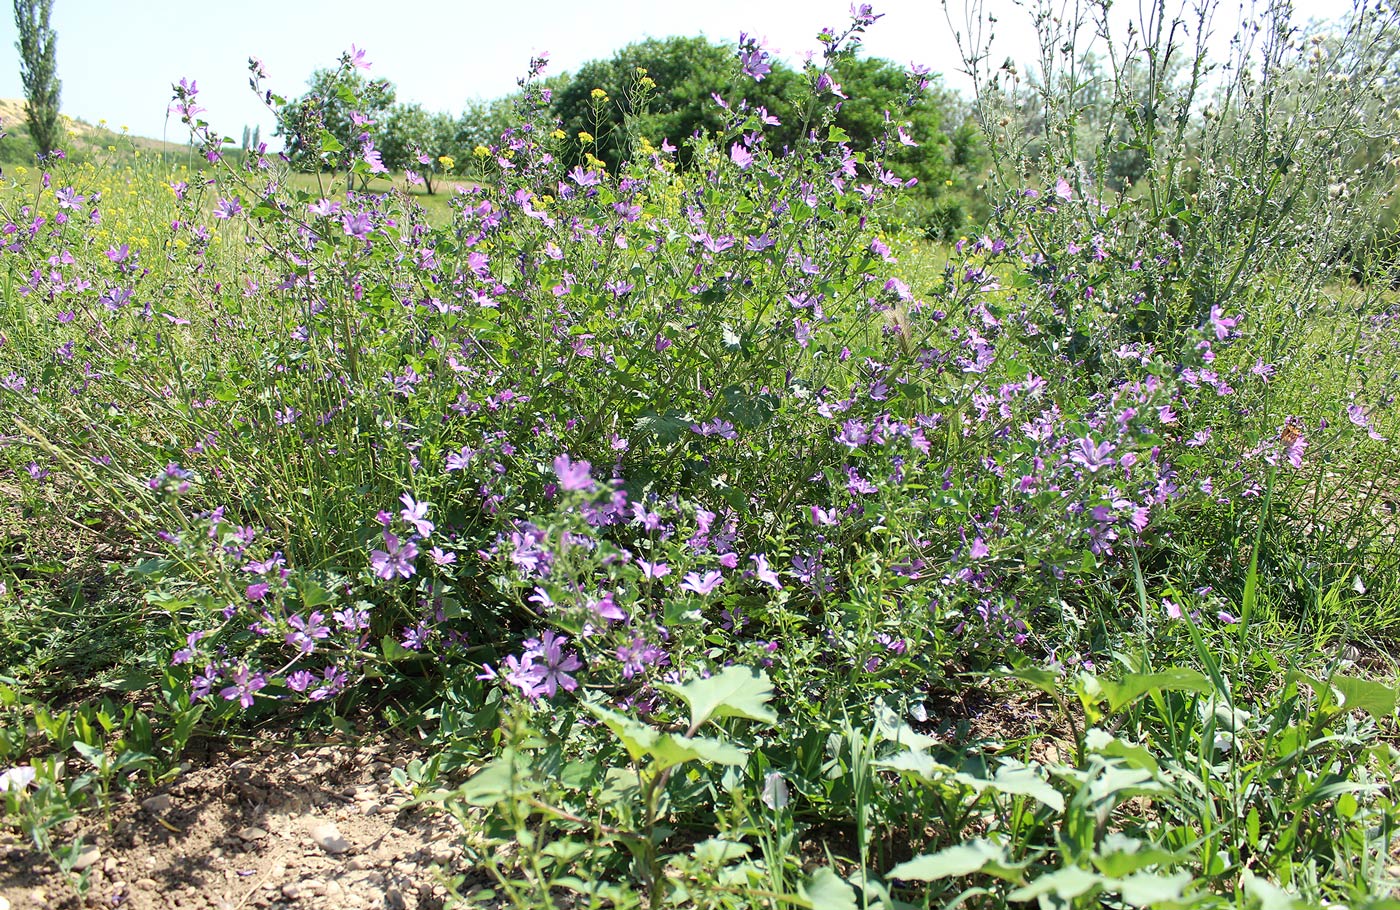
(558, 134)
(599, 95)
(585, 137)
(947, 183)
(481, 151)
(447, 162)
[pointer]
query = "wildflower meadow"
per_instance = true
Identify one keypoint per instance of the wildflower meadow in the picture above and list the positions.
(709, 533)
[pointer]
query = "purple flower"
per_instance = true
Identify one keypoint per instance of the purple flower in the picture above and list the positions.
(186, 654)
(300, 680)
(555, 664)
(754, 57)
(764, 573)
(639, 655)
(741, 156)
(573, 475)
(228, 208)
(245, 683)
(257, 591)
(306, 632)
(395, 560)
(702, 585)
(979, 550)
(1221, 323)
(415, 513)
(1090, 456)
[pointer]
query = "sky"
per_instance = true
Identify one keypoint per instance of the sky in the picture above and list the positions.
(118, 58)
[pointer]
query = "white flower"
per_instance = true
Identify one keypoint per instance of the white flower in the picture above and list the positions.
(16, 778)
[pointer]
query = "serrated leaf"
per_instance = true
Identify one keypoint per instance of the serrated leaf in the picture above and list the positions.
(1374, 698)
(825, 890)
(716, 851)
(1016, 779)
(1269, 895)
(664, 749)
(1147, 889)
(393, 651)
(890, 726)
(733, 692)
(1133, 686)
(918, 763)
(1066, 884)
(978, 855)
(1046, 681)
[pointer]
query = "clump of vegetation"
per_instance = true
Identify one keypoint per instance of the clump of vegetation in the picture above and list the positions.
(676, 492)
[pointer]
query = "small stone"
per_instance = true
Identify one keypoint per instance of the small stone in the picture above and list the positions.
(4, 902)
(111, 865)
(393, 899)
(327, 836)
(291, 891)
(86, 857)
(156, 805)
(252, 833)
(371, 808)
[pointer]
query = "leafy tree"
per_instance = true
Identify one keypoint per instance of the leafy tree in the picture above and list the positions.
(661, 89)
(482, 122)
(411, 134)
(39, 72)
(341, 106)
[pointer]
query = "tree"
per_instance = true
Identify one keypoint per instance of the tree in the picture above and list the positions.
(344, 105)
(686, 72)
(411, 134)
(38, 69)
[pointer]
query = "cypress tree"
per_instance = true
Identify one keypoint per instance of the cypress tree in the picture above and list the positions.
(38, 69)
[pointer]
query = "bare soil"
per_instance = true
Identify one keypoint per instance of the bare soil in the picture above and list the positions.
(272, 827)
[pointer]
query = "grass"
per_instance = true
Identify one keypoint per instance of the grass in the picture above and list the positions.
(727, 546)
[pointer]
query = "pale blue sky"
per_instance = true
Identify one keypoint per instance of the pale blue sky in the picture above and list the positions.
(117, 58)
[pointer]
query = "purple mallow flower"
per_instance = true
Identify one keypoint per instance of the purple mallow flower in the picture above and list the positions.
(395, 560)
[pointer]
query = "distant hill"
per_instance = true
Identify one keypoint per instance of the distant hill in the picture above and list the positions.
(82, 138)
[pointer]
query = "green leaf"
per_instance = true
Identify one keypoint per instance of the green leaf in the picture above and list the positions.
(1146, 889)
(733, 692)
(1374, 698)
(1269, 895)
(978, 855)
(1046, 681)
(497, 782)
(835, 134)
(329, 143)
(393, 651)
(1022, 780)
(825, 890)
(716, 851)
(664, 749)
(1016, 779)
(1135, 685)
(1066, 884)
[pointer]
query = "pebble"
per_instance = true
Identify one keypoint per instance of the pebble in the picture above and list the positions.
(252, 833)
(86, 858)
(327, 836)
(156, 805)
(4, 902)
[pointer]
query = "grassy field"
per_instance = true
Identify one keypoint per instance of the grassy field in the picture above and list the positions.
(716, 542)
